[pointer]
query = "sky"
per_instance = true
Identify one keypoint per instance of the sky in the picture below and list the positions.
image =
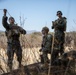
(39, 13)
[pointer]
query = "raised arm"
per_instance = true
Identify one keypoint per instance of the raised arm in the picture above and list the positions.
(4, 20)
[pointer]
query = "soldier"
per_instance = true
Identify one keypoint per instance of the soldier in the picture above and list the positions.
(13, 44)
(46, 45)
(59, 27)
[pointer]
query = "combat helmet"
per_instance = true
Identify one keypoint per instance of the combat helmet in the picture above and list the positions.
(45, 29)
(11, 18)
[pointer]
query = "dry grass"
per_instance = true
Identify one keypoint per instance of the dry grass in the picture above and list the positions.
(31, 44)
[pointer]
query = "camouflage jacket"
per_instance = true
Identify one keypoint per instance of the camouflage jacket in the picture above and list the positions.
(47, 42)
(12, 31)
(59, 24)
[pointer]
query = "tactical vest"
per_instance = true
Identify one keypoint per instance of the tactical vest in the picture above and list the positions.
(47, 42)
(12, 34)
(61, 21)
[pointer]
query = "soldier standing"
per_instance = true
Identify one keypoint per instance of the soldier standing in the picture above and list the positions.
(13, 44)
(46, 45)
(59, 27)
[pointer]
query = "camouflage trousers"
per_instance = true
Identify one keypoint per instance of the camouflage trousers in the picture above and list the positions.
(44, 56)
(54, 57)
(59, 39)
(11, 49)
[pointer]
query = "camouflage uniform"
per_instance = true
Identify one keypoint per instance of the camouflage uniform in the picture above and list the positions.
(13, 44)
(59, 26)
(46, 47)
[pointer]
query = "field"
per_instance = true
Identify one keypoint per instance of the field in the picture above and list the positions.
(30, 44)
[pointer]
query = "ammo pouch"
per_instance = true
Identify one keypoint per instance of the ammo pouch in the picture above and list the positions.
(8, 33)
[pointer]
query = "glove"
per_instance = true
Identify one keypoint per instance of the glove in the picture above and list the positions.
(5, 11)
(24, 32)
(40, 50)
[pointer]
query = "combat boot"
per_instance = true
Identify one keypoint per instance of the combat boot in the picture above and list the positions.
(46, 66)
(10, 66)
(20, 65)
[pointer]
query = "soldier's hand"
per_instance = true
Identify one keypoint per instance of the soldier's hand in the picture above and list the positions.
(24, 32)
(5, 11)
(52, 25)
(40, 50)
(70, 58)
